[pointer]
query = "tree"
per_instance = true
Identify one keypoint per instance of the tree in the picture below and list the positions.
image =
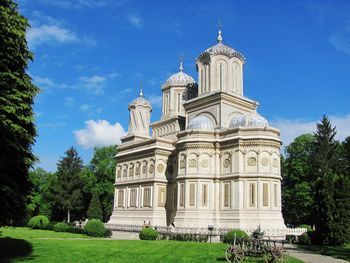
(17, 129)
(332, 191)
(39, 179)
(95, 208)
(297, 195)
(68, 188)
(103, 167)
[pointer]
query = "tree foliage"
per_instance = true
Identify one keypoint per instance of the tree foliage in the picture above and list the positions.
(17, 129)
(297, 201)
(102, 167)
(316, 184)
(95, 208)
(67, 188)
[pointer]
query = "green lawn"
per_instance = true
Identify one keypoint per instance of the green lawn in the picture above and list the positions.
(336, 252)
(28, 245)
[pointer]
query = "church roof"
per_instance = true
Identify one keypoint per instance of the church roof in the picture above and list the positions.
(140, 100)
(179, 79)
(249, 120)
(221, 49)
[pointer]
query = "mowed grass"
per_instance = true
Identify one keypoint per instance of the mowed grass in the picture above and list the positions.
(74, 248)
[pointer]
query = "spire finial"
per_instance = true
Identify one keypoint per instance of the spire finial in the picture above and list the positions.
(141, 92)
(219, 31)
(181, 68)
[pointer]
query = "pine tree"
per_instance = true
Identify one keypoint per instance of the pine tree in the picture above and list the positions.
(332, 192)
(68, 187)
(95, 208)
(17, 129)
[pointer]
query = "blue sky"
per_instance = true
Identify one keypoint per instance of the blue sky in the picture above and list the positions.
(91, 56)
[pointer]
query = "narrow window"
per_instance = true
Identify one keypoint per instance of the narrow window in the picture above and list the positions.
(265, 194)
(146, 197)
(161, 196)
(192, 194)
(175, 197)
(220, 76)
(275, 195)
(121, 198)
(252, 195)
(182, 195)
(226, 195)
(178, 102)
(204, 195)
(133, 198)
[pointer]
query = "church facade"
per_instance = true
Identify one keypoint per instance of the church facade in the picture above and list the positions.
(210, 160)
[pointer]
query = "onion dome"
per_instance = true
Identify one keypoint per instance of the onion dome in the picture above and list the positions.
(201, 123)
(140, 100)
(179, 79)
(221, 49)
(248, 120)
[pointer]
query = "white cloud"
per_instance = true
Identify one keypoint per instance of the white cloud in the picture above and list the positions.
(290, 129)
(340, 40)
(85, 107)
(135, 20)
(50, 33)
(69, 101)
(156, 101)
(99, 133)
(94, 84)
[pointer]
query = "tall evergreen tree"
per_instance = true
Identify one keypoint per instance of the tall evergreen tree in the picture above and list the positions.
(95, 208)
(68, 187)
(331, 188)
(17, 129)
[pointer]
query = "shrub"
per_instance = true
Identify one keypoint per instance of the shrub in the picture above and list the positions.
(304, 239)
(76, 230)
(184, 237)
(258, 233)
(230, 236)
(95, 208)
(38, 222)
(95, 228)
(61, 227)
(148, 233)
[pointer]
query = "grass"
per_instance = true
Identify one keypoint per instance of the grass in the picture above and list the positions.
(336, 252)
(77, 248)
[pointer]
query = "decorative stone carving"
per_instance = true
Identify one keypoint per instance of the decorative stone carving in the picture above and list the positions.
(144, 169)
(265, 161)
(251, 161)
(119, 173)
(275, 162)
(160, 168)
(125, 172)
(227, 163)
(151, 169)
(193, 163)
(182, 164)
(137, 171)
(205, 163)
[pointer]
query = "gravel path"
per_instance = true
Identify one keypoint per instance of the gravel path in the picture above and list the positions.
(310, 257)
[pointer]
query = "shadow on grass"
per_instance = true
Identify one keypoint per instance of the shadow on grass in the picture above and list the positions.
(336, 252)
(12, 248)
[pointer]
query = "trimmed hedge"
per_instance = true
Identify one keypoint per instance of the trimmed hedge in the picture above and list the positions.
(38, 222)
(230, 236)
(148, 233)
(184, 237)
(61, 227)
(95, 228)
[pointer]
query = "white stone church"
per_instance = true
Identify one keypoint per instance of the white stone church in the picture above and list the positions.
(210, 160)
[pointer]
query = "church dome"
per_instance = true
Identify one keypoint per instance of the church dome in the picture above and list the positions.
(179, 79)
(140, 100)
(221, 49)
(248, 120)
(201, 123)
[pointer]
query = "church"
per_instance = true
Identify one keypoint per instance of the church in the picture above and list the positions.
(211, 159)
